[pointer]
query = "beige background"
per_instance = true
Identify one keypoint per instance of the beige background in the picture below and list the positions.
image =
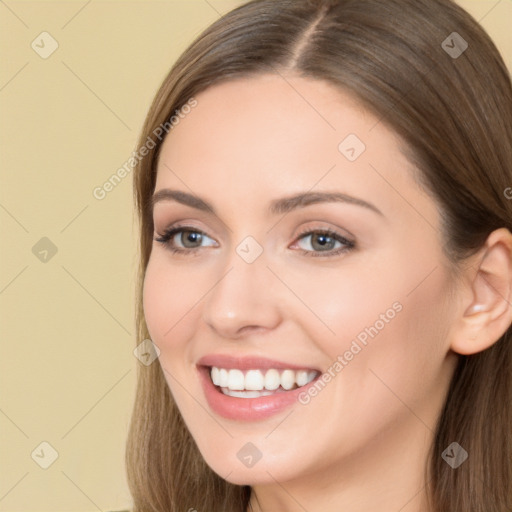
(67, 369)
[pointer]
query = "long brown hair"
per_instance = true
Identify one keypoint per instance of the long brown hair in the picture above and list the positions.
(452, 106)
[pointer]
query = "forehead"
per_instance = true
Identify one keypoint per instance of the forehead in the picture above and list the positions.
(283, 115)
(274, 135)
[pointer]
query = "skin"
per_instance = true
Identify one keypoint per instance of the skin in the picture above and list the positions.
(362, 442)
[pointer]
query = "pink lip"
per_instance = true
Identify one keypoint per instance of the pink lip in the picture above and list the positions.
(246, 409)
(247, 363)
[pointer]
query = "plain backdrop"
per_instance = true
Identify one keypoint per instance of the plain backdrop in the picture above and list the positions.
(76, 81)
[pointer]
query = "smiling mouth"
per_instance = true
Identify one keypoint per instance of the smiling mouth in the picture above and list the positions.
(255, 383)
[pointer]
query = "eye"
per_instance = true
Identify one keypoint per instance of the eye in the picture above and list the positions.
(187, 240)
(324, 241)
(187, 236)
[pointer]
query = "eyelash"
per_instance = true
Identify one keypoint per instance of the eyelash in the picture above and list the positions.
(165, 239)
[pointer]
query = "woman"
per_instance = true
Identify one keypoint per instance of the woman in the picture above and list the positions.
(326, 265)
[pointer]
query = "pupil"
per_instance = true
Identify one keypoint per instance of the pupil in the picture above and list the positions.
(192, 237)
(323, 239)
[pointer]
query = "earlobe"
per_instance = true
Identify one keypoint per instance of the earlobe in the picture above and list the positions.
(489, 313)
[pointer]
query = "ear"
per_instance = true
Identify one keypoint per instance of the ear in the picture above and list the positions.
(487, 309)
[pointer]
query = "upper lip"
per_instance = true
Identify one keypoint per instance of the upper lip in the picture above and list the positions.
(248, 363)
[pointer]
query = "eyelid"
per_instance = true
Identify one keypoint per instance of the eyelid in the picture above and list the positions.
(322, 228)
(348, 243)
(171, 231)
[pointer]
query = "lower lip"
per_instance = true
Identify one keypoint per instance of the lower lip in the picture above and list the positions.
(246, 409)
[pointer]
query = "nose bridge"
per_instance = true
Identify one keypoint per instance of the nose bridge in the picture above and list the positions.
(241, 295)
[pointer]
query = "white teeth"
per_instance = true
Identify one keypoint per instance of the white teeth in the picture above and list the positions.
(272, 380)
(215, 376)
(302, 377)
(246, 394)
(223, 378)
(254, 380)
(288, 379)
(236, 380)
(257, 382)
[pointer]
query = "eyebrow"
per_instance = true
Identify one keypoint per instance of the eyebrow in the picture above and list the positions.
(277, 206)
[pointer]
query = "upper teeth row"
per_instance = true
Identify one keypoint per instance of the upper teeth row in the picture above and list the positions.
(256, 380)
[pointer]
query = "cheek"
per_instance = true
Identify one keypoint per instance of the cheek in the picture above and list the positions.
(402, 358)
(170, 317)
(345, 304)
(155, 296)
(167, 302)
(391, 367)
(385, 323)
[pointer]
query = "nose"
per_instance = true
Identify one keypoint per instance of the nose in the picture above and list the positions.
(245, 298)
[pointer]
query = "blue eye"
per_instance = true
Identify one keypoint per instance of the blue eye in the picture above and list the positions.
(188, 237)
(326, 240)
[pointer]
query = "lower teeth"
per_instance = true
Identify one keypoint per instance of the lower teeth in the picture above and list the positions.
(250, 394)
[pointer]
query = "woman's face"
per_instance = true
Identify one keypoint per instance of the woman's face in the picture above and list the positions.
(264, 295)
